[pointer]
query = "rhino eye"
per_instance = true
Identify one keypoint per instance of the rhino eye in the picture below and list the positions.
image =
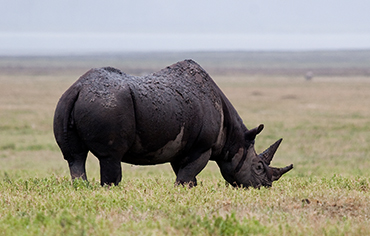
(259, 168)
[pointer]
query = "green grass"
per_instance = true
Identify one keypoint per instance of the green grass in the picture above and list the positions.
(324, 124)
(151, 205)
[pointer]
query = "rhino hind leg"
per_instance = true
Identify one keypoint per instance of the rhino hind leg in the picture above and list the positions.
(110, 171)
(74, 152)
(186, 172)
(77, 166)
(110, 160)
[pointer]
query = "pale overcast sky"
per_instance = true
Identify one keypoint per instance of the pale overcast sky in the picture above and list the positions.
(72, 26)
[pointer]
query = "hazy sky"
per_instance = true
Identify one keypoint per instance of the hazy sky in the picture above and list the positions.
(120, 25)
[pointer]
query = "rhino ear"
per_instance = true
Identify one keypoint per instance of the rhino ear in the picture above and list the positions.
(251, 134)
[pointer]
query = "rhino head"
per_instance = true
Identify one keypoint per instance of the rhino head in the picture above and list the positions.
(249, 169)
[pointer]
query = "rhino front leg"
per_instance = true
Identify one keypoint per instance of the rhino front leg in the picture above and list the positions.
(110, 171)
(176, 167)
(186, 172)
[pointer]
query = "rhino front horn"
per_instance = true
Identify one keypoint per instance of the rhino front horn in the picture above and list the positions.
(268, 154)
(278, 172)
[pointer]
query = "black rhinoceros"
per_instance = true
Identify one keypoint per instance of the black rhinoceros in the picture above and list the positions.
(177, 115)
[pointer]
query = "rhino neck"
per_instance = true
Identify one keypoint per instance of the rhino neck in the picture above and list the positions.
(234, 150)
(233, 143)
(232, 129)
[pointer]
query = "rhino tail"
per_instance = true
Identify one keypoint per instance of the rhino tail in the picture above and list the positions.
(64, 128)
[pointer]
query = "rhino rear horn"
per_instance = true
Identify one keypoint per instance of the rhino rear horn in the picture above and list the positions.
(268, 154)
(251, 134)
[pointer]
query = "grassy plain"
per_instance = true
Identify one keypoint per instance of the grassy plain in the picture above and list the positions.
(324, 122)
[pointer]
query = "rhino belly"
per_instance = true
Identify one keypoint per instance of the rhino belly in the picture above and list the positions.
(140, 155)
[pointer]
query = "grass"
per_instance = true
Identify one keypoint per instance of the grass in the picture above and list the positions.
(147, 206)
(324, 123)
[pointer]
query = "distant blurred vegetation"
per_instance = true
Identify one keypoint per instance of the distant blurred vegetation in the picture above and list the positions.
(321, 63)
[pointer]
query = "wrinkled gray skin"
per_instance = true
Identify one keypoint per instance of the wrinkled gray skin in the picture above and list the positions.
(177, 115)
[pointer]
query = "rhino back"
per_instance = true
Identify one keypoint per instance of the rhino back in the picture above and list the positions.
(176, 109)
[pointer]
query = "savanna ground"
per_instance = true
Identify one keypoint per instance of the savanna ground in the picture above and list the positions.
(324, 122)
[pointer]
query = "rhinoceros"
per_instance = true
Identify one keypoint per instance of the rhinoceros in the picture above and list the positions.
(177, 115)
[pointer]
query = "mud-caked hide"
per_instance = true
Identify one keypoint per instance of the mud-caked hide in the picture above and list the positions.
(177, 115)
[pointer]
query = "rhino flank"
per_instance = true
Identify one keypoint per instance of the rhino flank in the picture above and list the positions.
(177, 115)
